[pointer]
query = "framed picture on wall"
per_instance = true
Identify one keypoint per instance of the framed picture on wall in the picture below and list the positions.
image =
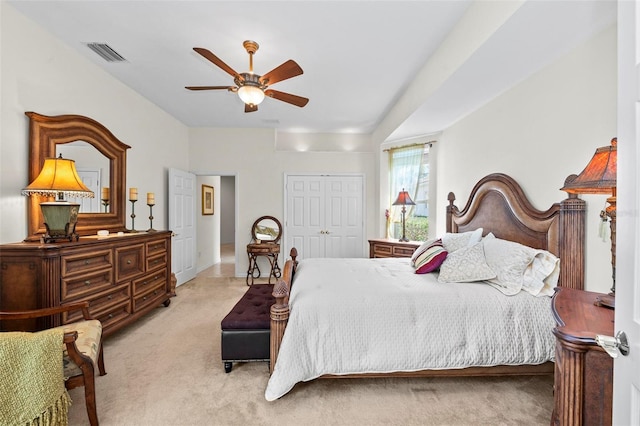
(207, 199)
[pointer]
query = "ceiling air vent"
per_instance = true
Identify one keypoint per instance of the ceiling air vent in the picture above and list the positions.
(106, 52)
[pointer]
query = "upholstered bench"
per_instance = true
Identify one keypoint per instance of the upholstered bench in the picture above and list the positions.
(246, 329)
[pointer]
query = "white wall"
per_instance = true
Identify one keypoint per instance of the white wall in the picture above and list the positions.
(40, 74)
(227, 210)
(539, 132)
(251, 156)
(207, 226)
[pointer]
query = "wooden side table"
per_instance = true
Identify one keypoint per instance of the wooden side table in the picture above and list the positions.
(383, 247)
(583, 379)
(269, 250)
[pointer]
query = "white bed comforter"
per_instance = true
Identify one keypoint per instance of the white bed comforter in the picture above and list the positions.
(380, 316)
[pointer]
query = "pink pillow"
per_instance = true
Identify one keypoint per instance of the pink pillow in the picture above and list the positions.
(431, 258)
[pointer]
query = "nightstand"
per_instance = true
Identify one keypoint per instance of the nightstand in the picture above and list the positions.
(383, 247)
(583, 379)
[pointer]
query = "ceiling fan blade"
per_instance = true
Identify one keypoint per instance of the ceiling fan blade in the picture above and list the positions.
(217, 61)
(230, 88)
(287, 70)
(287, 97)
(250, 108)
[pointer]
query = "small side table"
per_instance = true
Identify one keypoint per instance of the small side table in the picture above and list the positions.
(383, 247)
(583, 379)
(271, 251)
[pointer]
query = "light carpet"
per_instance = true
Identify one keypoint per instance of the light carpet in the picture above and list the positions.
(166, 370)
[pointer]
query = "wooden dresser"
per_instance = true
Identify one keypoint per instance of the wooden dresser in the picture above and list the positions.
(583, 380)
(382, 247)
(123, 277)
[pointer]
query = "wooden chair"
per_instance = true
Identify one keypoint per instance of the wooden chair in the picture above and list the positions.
(82, 349)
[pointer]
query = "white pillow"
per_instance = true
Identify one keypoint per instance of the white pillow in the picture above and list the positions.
(456, 241)
(519, 267)
(466, 265)
(541, 277)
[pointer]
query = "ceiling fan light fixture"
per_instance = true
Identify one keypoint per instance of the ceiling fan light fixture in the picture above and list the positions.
(251, 95)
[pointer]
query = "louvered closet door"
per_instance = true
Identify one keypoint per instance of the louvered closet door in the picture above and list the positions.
(324, 215)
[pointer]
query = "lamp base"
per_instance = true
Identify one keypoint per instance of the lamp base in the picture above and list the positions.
(60, 219)
(606, 301)
(404, 240)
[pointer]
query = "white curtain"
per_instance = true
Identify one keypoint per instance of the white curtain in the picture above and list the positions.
(405, 165)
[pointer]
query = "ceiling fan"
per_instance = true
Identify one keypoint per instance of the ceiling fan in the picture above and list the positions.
(252, 88)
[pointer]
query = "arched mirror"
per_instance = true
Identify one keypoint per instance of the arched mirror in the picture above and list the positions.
(97, 152)
(266, 229)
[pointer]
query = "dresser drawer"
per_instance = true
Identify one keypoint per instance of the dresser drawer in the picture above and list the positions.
(129, 261)
(102, 302)
(392, 248)
(86, 262)
(403, 251)
(155, 294)
(382, 250)
(86, 285)
(154, 280)
(156, 247)
(158, 261)
(114, 315)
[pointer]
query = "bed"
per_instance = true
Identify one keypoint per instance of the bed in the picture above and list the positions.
(353, 318)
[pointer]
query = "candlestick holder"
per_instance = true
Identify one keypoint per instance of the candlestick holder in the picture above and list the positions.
(150, 218)
(105, 203)
(133, 215)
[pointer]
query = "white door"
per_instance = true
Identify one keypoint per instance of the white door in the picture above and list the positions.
(182, 221)
(91, 178)
(324, 215)
(303, 227)
(343, 222)
(626, 369)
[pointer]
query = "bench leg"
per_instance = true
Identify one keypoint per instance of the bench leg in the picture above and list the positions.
(228, 366)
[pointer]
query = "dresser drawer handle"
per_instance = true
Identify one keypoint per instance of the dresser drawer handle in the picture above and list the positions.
(110, 297)
(86, 262)
(129, 262)
(144, 298)
(87, 282)
(110, 316)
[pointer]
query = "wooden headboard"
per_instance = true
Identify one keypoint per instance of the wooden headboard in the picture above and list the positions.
(498, 205)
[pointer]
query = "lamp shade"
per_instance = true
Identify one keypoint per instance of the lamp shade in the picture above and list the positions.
(403, 199)
(251, 95)
(599, 177)
(58, 176)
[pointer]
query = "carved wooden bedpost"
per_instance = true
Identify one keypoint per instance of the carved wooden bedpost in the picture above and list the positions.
(279, 318)
(451, 209)
(572, 240)
(280, 310)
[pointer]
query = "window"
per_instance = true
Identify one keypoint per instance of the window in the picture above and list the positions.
(409, 170)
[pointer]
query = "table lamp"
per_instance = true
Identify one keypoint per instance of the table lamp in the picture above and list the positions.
(403, 200)
(58, 178)
(599, 177)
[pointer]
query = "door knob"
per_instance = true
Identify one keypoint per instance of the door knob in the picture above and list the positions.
(614, 344)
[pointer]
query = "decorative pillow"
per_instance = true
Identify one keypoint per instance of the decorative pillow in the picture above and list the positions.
(466, 265)
(453, 241)
(517, 269)
(431, 258)
(423, 247)
(544, 269)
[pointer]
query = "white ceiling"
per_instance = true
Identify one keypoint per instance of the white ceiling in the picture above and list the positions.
(358, 57)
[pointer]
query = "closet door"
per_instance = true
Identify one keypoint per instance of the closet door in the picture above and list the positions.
(324, 215)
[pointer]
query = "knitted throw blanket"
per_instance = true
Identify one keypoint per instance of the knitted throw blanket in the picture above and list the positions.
(32, 388)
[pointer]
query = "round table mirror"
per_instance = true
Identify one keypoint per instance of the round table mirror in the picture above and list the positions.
(266, 229)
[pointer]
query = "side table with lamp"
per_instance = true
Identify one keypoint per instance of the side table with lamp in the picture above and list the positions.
(583, 379)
